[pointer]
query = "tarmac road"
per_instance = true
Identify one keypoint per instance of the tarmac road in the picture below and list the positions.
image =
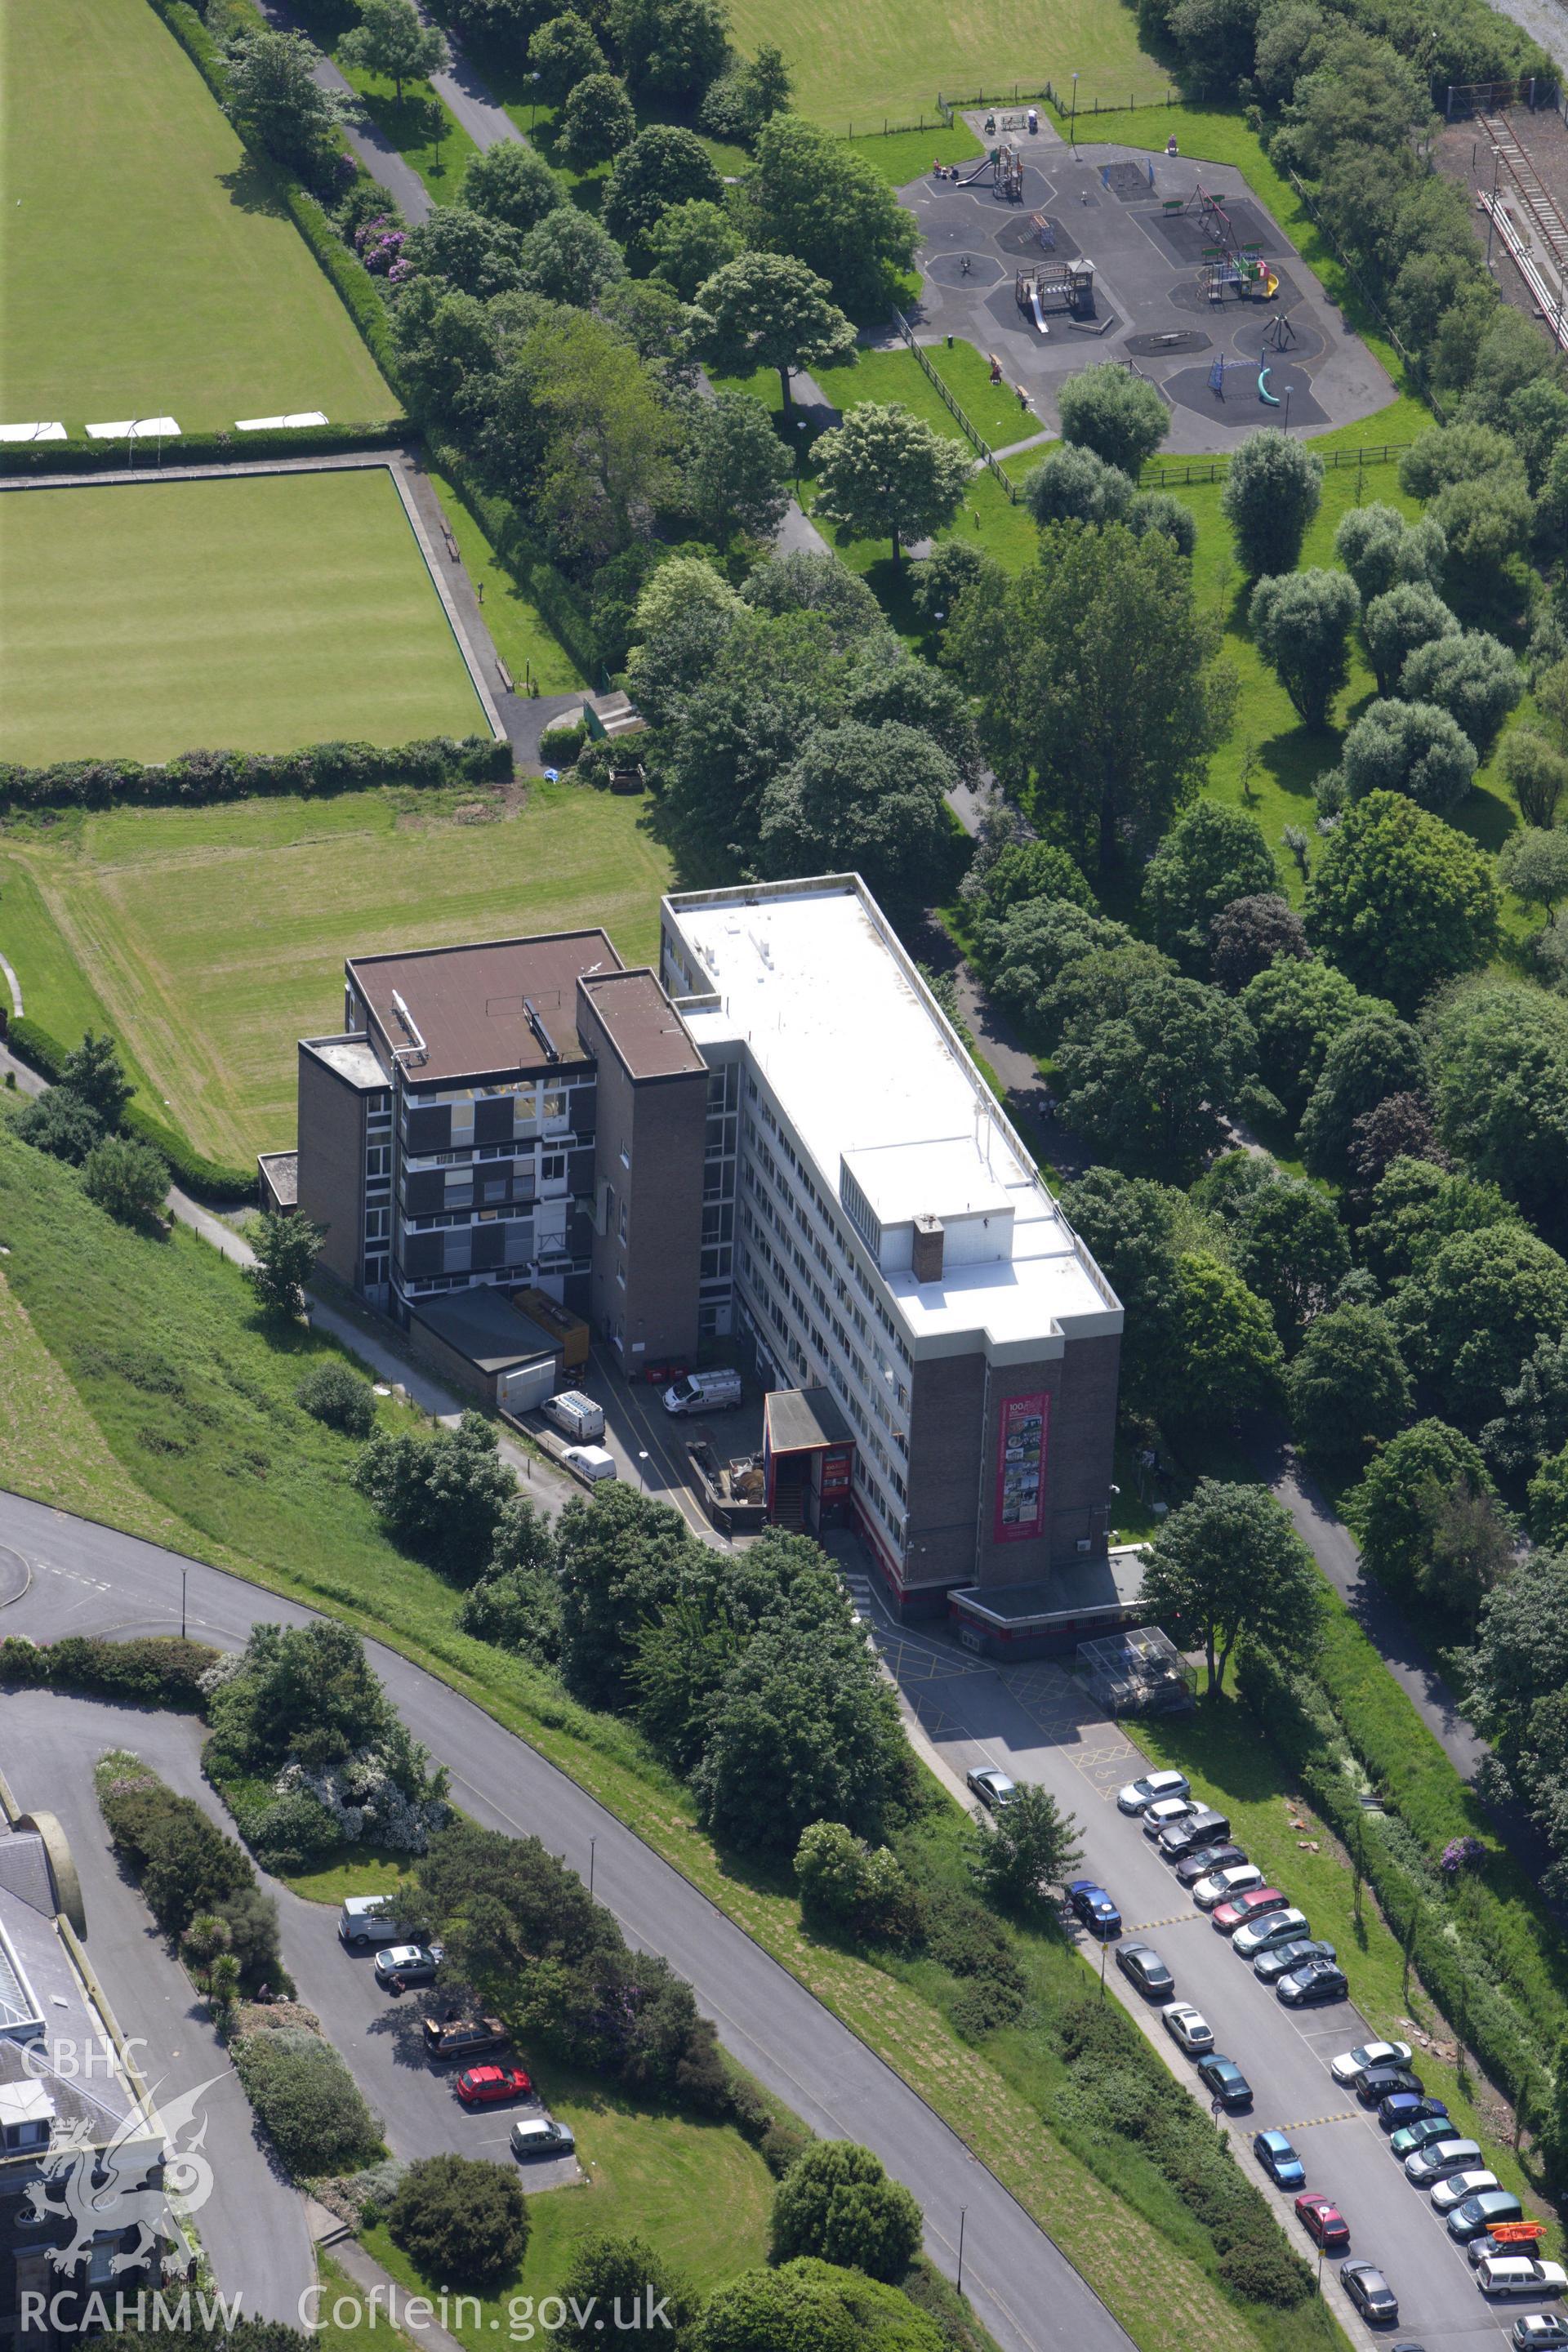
(88, 1578)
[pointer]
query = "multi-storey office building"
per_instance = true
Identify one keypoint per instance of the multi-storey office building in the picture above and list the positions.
(777, 1144)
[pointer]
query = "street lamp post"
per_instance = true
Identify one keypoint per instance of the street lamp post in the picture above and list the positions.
(532, 102)
(593, 1841)
(800, 426)
(183, 1575)
(1491, 216)
(962, 2212)
(1287, 408)
(1072, 125)
(1102, 1950)
(642, 1472)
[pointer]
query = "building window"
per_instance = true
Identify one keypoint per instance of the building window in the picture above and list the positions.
(377, 1224)
(552, 1167)
(378, 1160)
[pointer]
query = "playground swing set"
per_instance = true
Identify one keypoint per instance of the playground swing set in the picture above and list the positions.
(1228, 263)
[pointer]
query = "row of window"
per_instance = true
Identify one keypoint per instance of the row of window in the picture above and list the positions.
(825, 1210)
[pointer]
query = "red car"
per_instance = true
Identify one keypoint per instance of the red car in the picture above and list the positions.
(1254, 1904)
(1323, 2222)
(487, 2087)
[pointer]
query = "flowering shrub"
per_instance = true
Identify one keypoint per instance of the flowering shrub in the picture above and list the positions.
(1461, 1854)
(364, 1801)
(378, 244)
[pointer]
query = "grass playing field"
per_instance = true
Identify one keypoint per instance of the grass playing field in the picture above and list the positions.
(853, 66)
(210, 939)
(147, 268)
(257, 613)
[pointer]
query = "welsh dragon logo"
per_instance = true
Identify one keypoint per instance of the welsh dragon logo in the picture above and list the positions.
(96, 2194)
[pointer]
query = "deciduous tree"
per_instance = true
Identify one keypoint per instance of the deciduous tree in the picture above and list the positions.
(287, 1248)
(1406, 617)
(1301, 624)
(1400, 900)
(393, 39)
(1472, 676)
(1271, 490)
(597, 123)
(1118, 414)
(664, 166)
(814, 197)
(1227, 1564)
(1348, 1387)
(1211, 855)
(769, 310)
(1413, 748)
(886, 474)
(513, 184)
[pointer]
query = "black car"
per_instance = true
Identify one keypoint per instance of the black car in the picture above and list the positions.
(1194, 1867)
(1200, 1828)
(1269, 1966)
(1094, 1906)
(1143, 1966)
(1381, 2082)
(1371, 2293)
(1223, 2079)
(1306, 1988)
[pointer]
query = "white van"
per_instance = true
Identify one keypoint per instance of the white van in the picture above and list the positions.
(1518, 2275)
(575, 1413)
(365, 1919)
(704, 1392)
(589, 1461)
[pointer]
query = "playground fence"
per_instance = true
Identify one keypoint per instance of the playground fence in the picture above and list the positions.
(1018, 95)
(970, 430)
(1172, 473)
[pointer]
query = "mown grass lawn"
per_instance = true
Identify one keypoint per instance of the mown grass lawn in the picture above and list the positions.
(257, 613)
(522, 638)
(696, 2190)
(149, 266)
(210, 940)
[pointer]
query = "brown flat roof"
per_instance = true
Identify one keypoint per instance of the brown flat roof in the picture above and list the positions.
(643, 1025)
(467, 1002)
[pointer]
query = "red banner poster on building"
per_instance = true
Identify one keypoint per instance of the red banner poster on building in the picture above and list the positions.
(1021, 1468)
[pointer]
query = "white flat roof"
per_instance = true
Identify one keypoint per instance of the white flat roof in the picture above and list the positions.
(808, 977)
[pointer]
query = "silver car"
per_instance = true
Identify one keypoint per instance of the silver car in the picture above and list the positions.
(1436, 2162)
(1150, 1790)
(1221, 1885)
(1459, 2187)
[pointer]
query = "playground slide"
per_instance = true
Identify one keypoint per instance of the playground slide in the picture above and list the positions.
(1263, 392)
(980, 172)
(1039, 314)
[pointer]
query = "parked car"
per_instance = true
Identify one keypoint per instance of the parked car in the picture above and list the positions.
(1161, 1814)
(993, 1787)
(1511, 2238)
(1456, 2189)
(1137, 1794)
(1323, 2221)
(1281, 1958)
(576, 1415)
(462, 2037)
(1312, 1985)
(1225, 1886)
(1411, 2137)
(1226, 1918)
(589, 1461)
(1094, 1906)
(1224, 2080)
(1202, 1828)
(541, 2136)
(1351, 2065)
(1520, 2274)
(401, 1965)
(1208, 1859)
(1262, 1932)
(1481, 2212)
(367, 1919)
(1402, 2108)
(1371, 2293)
(1188, 2028)
(1278, 2160)
(714, 1391)
(1141, 1965)
(487, 2087)
(1538, 2331)
(1440, 2159)
(1381, 2082)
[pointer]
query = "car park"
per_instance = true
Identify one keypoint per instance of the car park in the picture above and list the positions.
(1441, 2159)
(1538, 2331)
(1272, 1928)
(1371, 2293)
(401, 1965)
(1411, 2137)
(1208, 1858)
(1478, 2213)
(1323, 2221)
(1140, 1964)
(1456, 2189)
(1094, 1906)
(1225, 1886)
(1150, 1790)
(1351, 2065)
(993, 1787)
(1163, 1812)
(1512, 2275)
(1278, 2160)
(1224, 2080)
(1188, 2028)
(1226, 1918)
(1311, 1986)
(487, 2087)
(534, 2136)
(462, 2037)
(1281, 1958)
(1200, 1828)
(1381, 2082)
(1402, 2108)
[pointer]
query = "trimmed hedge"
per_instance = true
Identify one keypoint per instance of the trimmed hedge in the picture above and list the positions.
(196, 778)
(211, 1181)
(1472, 1939)
(80, 457)
(152, 1670)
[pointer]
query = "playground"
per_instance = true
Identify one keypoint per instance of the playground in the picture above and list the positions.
(1048, 256)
